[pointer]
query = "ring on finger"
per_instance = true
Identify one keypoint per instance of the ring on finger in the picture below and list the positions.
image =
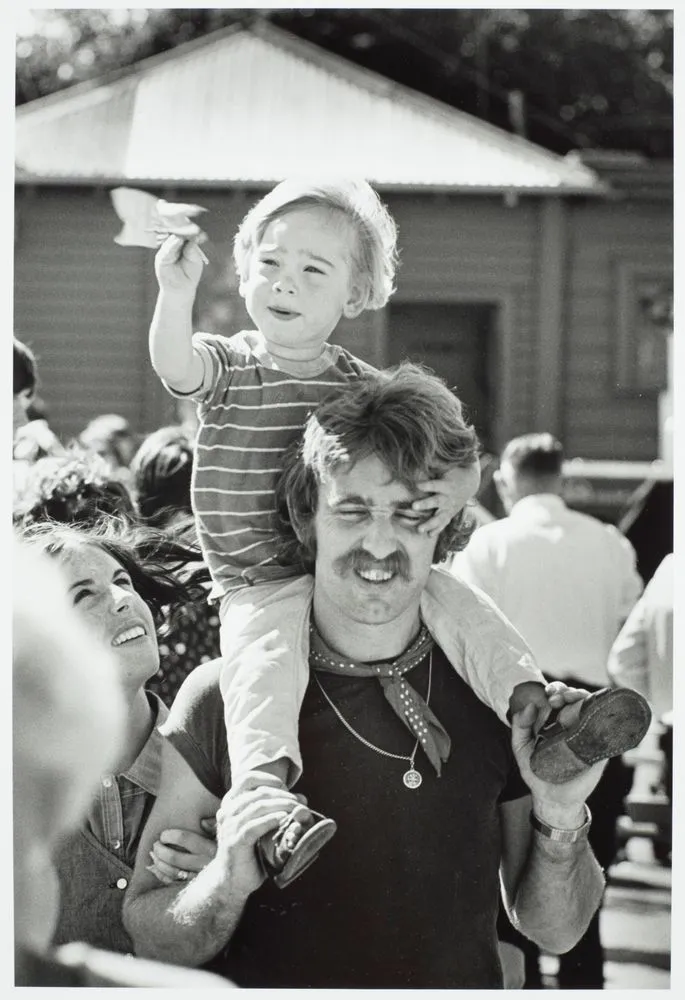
(182, 876)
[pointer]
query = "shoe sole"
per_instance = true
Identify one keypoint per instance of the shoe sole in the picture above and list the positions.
(615, 721)
(306, 852)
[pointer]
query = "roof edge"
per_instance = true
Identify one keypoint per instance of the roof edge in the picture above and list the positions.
(344, 68)
(24, 178)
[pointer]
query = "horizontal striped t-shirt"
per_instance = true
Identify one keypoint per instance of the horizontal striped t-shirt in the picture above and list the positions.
(249, 412)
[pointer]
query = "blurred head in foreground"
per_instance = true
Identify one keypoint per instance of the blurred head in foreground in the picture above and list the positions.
(68, 722)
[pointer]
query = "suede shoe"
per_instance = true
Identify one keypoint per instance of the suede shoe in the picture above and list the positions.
(290, 849)
(606, 724)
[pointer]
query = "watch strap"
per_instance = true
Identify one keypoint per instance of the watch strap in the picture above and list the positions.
(562, 836)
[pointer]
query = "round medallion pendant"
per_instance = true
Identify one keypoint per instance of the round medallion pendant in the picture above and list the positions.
(412, 778)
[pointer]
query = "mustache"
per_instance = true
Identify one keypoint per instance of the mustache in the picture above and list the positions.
(357, 560)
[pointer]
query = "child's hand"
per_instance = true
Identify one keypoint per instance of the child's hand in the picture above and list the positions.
(178, 265)
(448, 496)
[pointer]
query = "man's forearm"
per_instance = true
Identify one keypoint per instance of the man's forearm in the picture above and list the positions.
(187, 925)
(559, 890)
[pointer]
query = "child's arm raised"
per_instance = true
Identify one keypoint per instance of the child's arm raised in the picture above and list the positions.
(178, 266)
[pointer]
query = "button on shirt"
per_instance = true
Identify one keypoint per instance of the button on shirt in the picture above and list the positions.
(121, 808)
(564, 579)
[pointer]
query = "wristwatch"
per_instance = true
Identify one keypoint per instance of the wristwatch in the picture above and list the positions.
(562, 836)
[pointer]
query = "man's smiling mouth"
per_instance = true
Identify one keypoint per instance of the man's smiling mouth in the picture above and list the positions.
(375, 575)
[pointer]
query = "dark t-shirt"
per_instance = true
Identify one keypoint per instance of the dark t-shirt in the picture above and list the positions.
(406, 893)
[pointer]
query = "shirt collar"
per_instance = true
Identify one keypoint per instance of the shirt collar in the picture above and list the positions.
(549, 502)
(146, 769)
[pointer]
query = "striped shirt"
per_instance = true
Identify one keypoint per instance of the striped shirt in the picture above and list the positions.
(249, 412)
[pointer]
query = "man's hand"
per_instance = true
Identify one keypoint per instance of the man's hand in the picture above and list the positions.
(448, 496)
(178, 265)
(254, 806)
(559, 805)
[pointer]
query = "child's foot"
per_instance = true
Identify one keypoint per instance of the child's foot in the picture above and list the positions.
(605, 724)
(294, 845)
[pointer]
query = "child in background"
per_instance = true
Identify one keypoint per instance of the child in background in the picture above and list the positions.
(307, 255)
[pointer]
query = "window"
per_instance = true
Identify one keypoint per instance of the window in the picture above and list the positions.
(645, 320)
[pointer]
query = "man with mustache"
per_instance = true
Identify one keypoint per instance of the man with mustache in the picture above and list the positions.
(434, 796)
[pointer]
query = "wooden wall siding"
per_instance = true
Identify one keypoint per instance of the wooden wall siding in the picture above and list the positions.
(600, 422)
(460, 248)
(81, 302)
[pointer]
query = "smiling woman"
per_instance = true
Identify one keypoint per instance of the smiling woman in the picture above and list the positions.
(118, 581)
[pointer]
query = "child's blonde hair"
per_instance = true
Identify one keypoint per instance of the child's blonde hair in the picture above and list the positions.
(375, 257)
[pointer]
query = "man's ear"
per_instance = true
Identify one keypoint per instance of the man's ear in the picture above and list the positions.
(500, 484)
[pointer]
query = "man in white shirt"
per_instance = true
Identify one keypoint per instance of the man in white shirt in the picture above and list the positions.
(567, 582)
(642, 656)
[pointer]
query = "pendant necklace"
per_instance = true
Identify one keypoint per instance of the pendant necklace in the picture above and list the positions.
(411, 778)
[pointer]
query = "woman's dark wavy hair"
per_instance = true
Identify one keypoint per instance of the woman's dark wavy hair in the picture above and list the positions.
(154, 560)
(407, 417)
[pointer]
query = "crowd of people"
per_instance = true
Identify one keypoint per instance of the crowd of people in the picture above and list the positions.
(343, 738)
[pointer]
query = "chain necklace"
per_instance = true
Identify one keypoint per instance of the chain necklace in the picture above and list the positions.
(411, 778)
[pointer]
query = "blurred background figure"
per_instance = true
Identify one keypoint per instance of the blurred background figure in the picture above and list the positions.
(72, 488)
(647, 523)
(31, 436)
(111, 437)
(161, 471)
(118, 587)
(642, 658)
(160, 477)
(567, 582)
(66, 691)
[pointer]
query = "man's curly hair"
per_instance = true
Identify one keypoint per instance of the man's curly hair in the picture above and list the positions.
(408, 418)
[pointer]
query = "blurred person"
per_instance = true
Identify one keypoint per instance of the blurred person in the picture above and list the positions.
(642, 655)
(161, 471)
(24, 380)
(63, 682)
(117, 580)
(647, 523)
(76, 487)
(567, 582)
(110, 436)
(31, 436)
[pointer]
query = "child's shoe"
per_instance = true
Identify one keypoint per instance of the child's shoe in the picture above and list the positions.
(606, 724)
(294, 845)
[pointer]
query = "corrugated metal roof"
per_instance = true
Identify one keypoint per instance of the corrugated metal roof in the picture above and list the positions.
(256, 104)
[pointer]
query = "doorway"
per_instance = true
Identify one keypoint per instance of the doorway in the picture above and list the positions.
(458, 341)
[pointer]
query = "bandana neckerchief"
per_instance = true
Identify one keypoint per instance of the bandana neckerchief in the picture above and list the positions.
(407, 704)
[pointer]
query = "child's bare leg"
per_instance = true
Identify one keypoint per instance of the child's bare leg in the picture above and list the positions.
(532, 693)
(280, 769)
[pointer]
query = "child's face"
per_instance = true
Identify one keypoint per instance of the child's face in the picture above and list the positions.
(299, 282)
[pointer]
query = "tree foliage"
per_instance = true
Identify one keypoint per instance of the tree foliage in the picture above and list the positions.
(565, 78)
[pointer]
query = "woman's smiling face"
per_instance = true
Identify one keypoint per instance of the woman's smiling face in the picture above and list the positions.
(102, 593)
